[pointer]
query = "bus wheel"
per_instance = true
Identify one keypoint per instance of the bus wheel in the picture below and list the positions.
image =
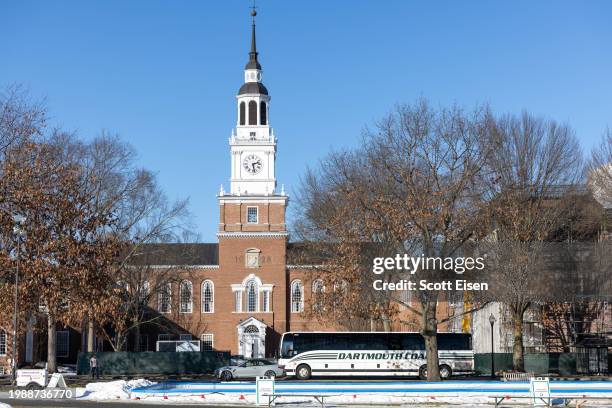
(445, 372)
(423, 372)
(302, 372)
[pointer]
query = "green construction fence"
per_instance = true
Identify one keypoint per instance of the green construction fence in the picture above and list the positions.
(150, 362)
(563, 364)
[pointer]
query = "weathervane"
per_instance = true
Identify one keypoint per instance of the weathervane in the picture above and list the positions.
(253, 11)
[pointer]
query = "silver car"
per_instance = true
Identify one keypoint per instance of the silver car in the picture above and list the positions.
(249, 369)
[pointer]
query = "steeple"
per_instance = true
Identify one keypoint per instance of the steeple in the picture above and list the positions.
(252, 71)
(252, 143)
(253, 63)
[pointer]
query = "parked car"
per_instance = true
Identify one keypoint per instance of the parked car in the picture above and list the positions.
(237, 359)
(250, 369)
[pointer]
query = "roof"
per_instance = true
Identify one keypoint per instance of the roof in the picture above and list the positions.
(176, 254)
(253, 88)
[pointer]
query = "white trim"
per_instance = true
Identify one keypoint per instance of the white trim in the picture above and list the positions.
(177, 266)
(249, 277)
(256, 208)
(266, 295)
(212, 290)
(304, 266)
(260, 199)
(254, 281)
(159, 299)
(241, 234)
(301, 304)
(260, 337)
(190, 305)
(238, 294)
(212, 341)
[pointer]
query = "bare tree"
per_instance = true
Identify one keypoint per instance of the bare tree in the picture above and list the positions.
(412, 187)
(536, 164)
(21, 119)
(88, 208)
(142, 214)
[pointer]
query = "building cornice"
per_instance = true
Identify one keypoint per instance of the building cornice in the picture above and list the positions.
(239, 199)
(254, 234)
(305, 267)
(178, 266)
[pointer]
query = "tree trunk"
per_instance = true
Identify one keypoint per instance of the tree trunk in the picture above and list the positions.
(372, 325)
(386, 323)
(90, 335)
(137, 338)
(51, 361)
(430, 331)
(518, 357)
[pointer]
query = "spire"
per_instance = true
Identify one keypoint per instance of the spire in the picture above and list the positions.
(253, 63)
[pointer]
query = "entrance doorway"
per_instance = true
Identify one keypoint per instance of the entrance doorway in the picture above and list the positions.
(252, 338)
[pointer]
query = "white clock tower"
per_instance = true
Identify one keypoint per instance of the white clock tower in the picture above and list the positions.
(252, 144)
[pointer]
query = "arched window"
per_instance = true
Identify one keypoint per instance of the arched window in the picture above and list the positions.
(252, 299)
(297, 296)
(317, 294)
(263, 113)
(143, 292)
(164, 301)
(252, 113)
(242, 114)
(208, 297)
(186, 297)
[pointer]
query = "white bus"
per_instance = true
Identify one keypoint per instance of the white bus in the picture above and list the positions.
(334, 354)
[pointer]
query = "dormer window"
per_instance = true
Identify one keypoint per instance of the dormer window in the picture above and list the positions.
(252, 215)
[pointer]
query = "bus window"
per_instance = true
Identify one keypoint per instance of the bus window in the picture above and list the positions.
(413, 341)
(367, 341)
(453, 341)
(395, 341)
(302, 342)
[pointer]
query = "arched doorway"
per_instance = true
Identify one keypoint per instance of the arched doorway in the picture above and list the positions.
(252, 338)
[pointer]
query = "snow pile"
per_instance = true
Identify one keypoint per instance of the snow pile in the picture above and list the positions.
(113, 390)
(3, 405)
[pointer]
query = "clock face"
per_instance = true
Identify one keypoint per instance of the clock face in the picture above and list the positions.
(252, 164)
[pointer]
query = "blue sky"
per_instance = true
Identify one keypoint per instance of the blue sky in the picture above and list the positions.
(164, 74)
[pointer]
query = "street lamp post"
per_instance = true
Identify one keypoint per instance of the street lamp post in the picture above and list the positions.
(19, 220)
(492, 321)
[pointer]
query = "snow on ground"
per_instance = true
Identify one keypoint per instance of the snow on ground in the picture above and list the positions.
(453, 394)
(2, 405)
(111, 390)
